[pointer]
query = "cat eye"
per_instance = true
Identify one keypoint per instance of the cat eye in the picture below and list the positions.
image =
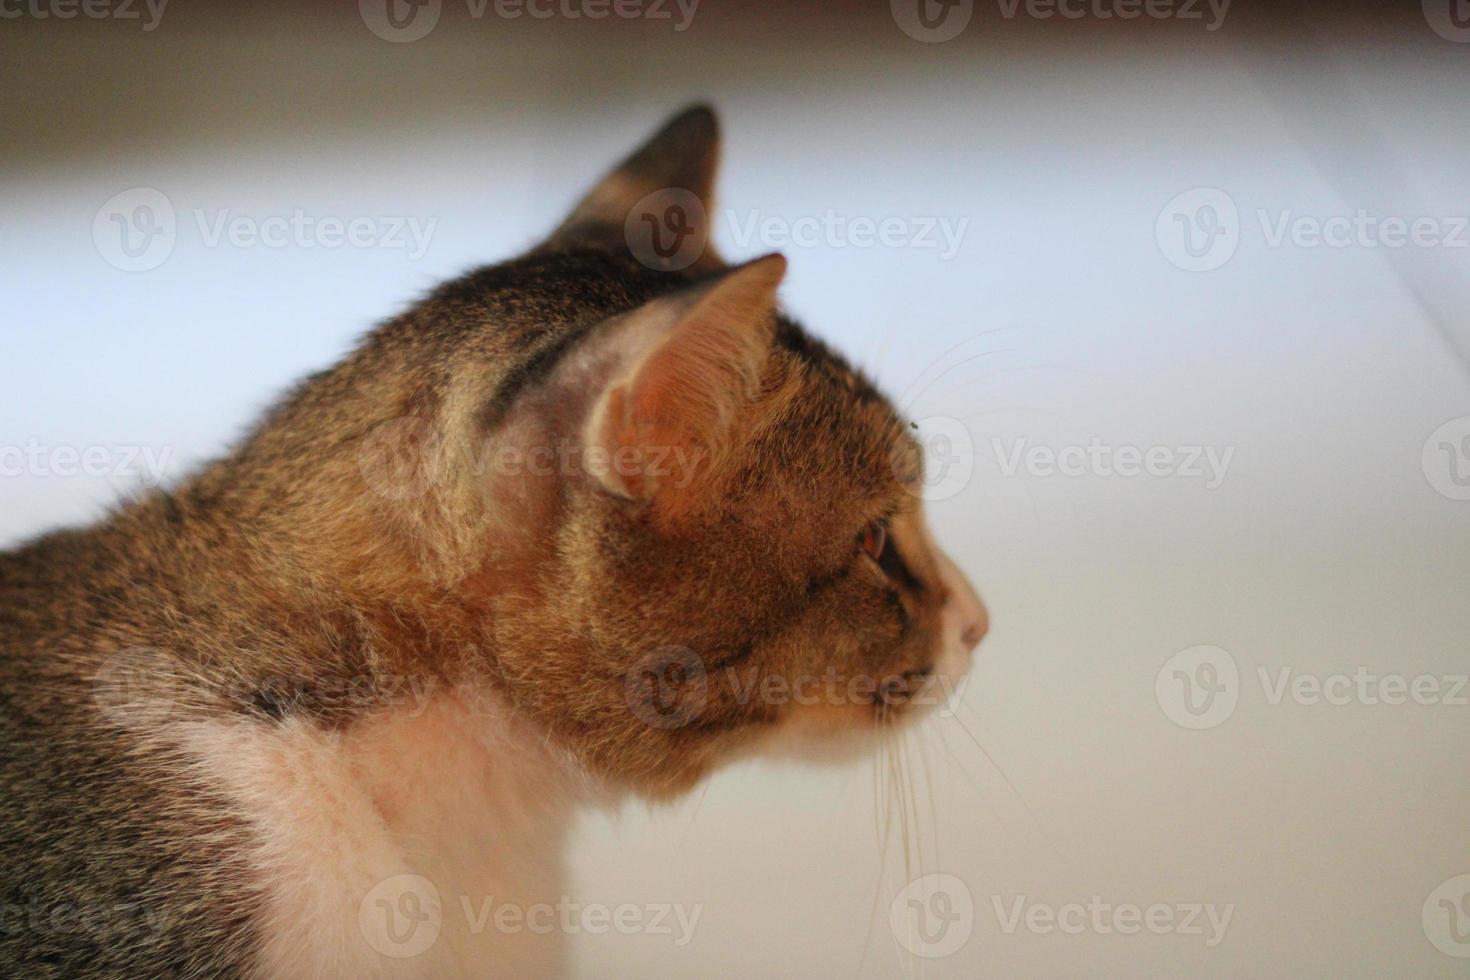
(874, 540)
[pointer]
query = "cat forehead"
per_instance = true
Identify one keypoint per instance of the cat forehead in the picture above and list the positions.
(822, 359)
(542, 309)
(580, 289)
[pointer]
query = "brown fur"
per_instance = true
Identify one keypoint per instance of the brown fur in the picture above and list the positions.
(362, 540)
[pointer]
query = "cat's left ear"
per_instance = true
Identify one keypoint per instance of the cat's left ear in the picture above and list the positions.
(689, 367)
(656, 203)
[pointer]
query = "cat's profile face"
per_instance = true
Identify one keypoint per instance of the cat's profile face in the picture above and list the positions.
(701, 531)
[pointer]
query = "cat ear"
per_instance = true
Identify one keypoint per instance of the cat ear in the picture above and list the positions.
(691, 364)
(657, 202)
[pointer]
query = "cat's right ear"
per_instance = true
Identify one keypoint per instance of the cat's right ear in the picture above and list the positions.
(657, 202)
(688, 366)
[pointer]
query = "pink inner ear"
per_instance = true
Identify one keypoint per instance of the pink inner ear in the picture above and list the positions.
(686, 394)
(698, 379)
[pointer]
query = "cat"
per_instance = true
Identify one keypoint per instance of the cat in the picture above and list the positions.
(541, 542)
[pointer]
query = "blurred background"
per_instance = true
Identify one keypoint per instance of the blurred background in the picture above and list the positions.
(1179, 291)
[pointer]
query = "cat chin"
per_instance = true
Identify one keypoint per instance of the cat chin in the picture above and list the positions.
(834, 736)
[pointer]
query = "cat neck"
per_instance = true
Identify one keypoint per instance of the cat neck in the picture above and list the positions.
(453, 807)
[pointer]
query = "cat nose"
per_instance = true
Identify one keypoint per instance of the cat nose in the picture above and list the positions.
(979, 624)
(965, 610)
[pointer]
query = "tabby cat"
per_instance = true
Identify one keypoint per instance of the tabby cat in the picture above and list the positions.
(560, 533)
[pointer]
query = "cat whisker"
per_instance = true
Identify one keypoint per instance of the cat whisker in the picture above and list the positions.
(1000, 771)
(910, 400)
(935, 362)
(882, 816)
(989, 375)
(969, 777)
(694, 814)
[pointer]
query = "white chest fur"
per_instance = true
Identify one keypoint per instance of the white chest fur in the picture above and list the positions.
(396, 848)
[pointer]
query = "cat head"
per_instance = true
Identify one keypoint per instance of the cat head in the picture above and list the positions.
(685, 528)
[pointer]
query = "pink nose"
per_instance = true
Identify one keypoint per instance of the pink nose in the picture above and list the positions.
(978, 624)
(975, 631)
(964, 609)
